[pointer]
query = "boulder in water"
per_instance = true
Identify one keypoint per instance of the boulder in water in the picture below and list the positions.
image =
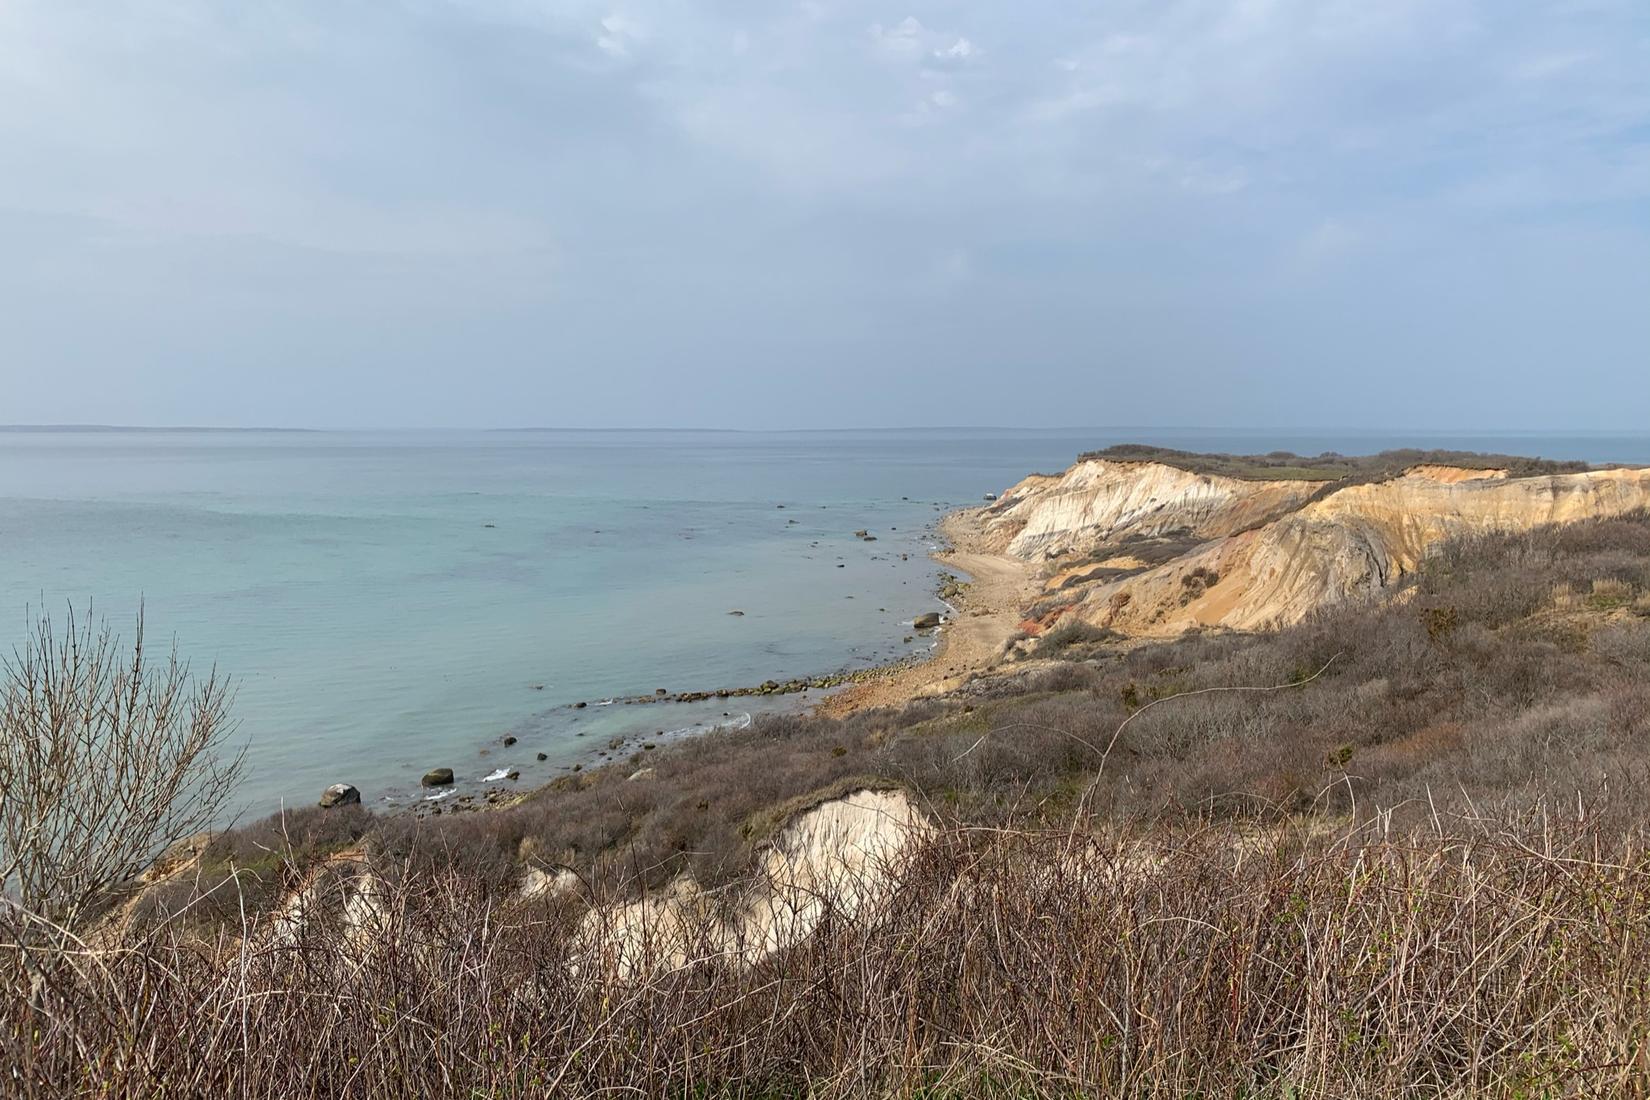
(340, 794)
(437, 777)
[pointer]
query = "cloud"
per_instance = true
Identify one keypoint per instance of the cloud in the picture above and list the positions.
(910, 40)
(904, 38)
(618, 34)
(1326, 242)
(726, 186)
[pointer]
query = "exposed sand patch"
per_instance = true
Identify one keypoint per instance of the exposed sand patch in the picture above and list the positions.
(841, 857)
(1455, 475)
(986, 615)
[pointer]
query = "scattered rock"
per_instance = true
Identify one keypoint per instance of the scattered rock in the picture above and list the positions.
(737, 612)
(509, 739)
(544, 756)
(340, 794)
(580, 705)
(926, 622)
(660, 691)
(991, 496)
(437, 777)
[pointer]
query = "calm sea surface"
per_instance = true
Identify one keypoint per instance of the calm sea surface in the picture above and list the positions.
(389, 602)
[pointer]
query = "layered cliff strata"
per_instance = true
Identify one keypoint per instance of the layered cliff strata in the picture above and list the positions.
(1151, 549)
(1099, 503)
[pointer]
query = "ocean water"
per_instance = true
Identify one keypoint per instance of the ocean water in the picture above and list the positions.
(388, 602)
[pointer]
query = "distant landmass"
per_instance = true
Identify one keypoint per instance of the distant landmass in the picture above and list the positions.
(135, 428)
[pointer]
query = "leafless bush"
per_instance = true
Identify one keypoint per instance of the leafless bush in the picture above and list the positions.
(106, 758)
(1474, 957)
(1137, 891)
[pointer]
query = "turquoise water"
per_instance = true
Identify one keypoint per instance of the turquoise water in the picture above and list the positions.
(389, 602)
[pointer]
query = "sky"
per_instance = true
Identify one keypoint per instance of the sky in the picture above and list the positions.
(1431, 214)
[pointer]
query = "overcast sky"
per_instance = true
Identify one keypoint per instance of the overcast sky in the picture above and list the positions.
(769, 213)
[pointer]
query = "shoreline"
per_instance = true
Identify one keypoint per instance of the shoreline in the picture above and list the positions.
(986, 613)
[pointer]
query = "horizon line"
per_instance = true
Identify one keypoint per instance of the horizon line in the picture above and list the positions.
(92, 428)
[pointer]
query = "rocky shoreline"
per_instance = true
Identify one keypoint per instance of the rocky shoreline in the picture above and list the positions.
(847, 690)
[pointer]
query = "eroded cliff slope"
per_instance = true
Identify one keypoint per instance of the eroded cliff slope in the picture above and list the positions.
(1100, 503)
(1149, 548)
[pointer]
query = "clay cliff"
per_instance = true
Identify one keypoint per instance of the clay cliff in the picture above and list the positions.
(1150, 548)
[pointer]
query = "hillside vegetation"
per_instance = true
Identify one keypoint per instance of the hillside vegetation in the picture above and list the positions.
(1330, 466)
(1396, 849)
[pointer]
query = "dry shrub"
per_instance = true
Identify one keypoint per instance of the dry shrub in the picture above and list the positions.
(1473, 958)
(1481, 936)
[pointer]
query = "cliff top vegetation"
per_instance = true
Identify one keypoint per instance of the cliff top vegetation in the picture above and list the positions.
(1329, 466)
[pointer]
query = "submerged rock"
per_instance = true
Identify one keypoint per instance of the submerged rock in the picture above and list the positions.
(340, 794)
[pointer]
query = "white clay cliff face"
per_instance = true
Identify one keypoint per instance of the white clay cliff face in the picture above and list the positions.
(1276, 554)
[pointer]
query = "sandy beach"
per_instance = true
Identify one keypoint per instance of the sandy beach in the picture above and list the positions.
(987, 613)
